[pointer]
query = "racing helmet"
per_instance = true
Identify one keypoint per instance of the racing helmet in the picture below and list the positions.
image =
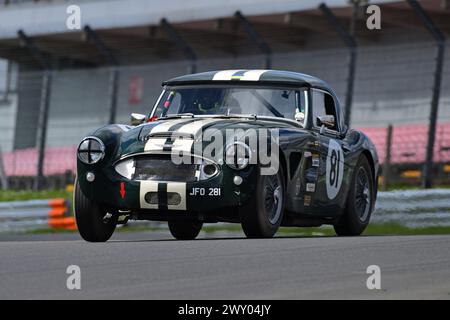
(209, 100)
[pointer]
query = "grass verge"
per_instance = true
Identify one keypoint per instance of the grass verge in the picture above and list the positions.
(373, 229)
(9, 195)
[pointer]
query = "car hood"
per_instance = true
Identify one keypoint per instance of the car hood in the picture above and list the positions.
(149, 137)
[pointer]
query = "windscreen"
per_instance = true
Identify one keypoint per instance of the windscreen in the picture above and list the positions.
(228, 100)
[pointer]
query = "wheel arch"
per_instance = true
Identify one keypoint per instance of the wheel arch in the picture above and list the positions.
(372, 164)
(283, 164)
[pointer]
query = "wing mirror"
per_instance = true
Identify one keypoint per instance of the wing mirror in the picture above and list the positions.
(326, 121)
(137, 119)
(299, 116)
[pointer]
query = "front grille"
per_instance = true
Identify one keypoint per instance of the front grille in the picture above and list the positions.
(162, 168)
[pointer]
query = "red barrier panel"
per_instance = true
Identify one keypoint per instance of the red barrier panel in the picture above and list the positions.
(58, 160)
(409, 142)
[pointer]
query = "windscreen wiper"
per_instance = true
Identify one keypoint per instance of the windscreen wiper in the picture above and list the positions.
(267, 104)
(177, 116)
(236, 115)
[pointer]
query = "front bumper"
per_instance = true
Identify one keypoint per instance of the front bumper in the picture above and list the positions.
(116, 192)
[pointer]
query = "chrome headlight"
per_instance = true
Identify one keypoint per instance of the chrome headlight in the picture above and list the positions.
(91, 150)
(237, 155)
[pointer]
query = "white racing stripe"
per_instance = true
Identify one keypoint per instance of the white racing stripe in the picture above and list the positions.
(253, 75)
(144, 188)
(185, 145)
(225, 75)
(250, 75)
(180, 188)
(152, 186)
(180, 144)
(195, 127)
(166, 125)
(157, 144)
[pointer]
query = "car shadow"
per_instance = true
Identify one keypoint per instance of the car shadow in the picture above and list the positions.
(225, 238)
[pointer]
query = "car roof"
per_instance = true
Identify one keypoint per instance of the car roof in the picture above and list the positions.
(259, 76)
(251, 76)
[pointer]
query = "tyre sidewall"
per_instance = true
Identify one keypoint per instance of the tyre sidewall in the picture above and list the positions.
(185, 229)
(350, 223)
(255, 220)
(89, 218)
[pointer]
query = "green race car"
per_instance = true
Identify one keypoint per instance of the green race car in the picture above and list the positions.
(262, 148)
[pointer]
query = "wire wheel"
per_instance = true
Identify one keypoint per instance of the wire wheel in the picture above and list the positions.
(262, 215)
(362, 194)
(273, 195)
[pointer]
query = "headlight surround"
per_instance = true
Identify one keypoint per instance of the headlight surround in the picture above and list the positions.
(91, 150)
(207, 170)
(126, 168)
(237, 155)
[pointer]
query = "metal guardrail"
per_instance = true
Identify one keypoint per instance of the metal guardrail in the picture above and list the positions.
(414, 208)
(35, 214)
(410, 208)
(14, 2)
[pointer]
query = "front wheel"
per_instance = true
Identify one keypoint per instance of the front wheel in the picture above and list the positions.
(262, 216)
(185, 230)
(360, 201)
(89, 216)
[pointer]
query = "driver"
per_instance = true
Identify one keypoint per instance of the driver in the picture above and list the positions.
(209, 102)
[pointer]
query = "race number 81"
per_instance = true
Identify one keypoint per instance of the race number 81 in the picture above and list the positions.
(334, 169)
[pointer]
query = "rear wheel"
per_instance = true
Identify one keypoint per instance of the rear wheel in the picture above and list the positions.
(185, 230)
(262, 216)
(90, 220)
(360, 201)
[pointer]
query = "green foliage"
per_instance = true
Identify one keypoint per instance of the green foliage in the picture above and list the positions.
(10, 195)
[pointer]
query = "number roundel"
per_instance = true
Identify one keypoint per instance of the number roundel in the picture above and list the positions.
(335, 169)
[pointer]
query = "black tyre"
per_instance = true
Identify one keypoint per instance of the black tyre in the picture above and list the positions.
(262, 216)
(185, 230)
(360, 201)
(89, 217)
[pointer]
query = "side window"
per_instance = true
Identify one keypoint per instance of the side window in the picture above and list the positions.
(323, 104)
(318, 104)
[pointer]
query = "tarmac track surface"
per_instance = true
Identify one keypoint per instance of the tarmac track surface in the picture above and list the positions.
(152, 266)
